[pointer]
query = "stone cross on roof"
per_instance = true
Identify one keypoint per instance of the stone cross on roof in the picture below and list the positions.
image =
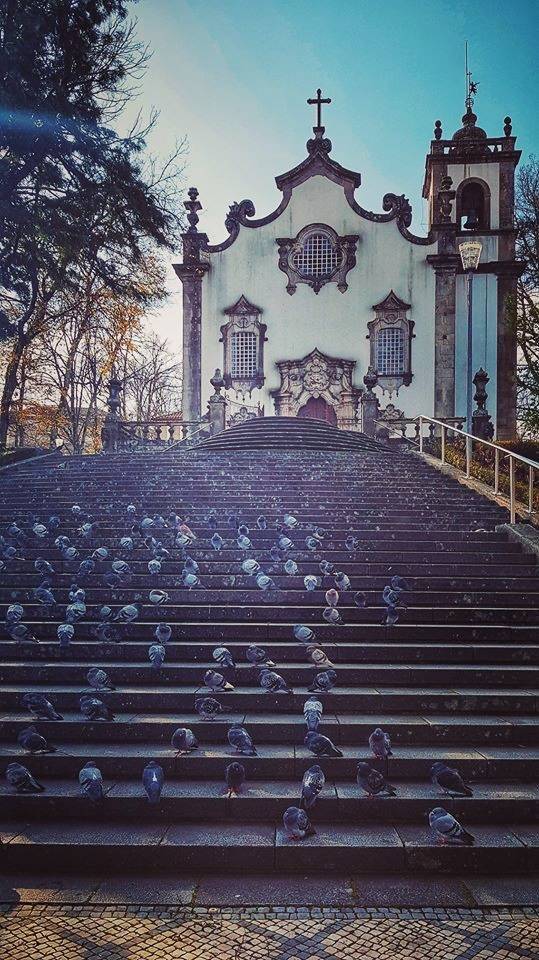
(318, 101)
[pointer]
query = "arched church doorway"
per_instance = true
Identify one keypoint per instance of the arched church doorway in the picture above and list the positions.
(317, 408)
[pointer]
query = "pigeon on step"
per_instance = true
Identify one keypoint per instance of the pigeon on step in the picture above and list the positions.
(297, 824)
(234, 777)
(241, 740)
(311, 582)
(91, 782)
(303, 633)
(208, 707)
(99, 679)
(153, 779)
(313, 784)
(312, 713)
(332, 615)
(156, 654)
(317, 656)
(215, 681)
(380, 744)
(32, 741)
(448, 830)
(332, 597)
(449, 780)
(95, 709)
(258, 655)
(163, 632)
(250, 567)
(223, 656)
(320, 745)
(273, 682)
(40, 706)
(324, 681)
(373, 782)
(183, 740)
(19, 777)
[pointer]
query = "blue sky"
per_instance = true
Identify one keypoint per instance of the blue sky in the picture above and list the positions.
(233, 76)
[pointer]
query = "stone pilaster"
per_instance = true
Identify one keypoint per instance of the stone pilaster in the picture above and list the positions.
(445, 269)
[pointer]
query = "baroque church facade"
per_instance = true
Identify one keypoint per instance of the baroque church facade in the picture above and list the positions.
(297, 307)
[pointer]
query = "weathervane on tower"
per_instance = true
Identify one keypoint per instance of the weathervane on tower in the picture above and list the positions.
(471, 85)
(317, 102)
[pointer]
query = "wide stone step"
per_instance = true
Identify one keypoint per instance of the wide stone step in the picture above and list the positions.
(208, 800)
(263, 847)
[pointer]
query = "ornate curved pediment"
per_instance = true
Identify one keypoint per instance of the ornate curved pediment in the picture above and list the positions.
(318, 375)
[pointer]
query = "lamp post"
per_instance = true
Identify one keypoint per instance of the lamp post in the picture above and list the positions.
(470, 253)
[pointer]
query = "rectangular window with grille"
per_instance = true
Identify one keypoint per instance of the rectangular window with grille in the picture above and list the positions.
(243, 355)
(390, 352)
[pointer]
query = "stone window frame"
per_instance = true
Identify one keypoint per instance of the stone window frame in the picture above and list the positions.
(486, 202)
(244, 317)
(345, 248)
(391, 312)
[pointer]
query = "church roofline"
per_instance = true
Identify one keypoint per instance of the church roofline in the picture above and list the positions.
(317, 163)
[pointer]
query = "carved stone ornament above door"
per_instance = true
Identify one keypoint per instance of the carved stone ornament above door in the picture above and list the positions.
(316, 256)
(318, 376)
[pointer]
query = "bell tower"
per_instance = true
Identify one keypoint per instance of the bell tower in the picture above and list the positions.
(470, 187)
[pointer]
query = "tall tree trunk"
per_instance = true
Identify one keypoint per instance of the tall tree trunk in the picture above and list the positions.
(10, 385)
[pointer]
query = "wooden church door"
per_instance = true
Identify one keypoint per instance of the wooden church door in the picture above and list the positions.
(317, 408)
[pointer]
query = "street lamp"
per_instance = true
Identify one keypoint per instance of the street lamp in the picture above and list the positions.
(470, 254)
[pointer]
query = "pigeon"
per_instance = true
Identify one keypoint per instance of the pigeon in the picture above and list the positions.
(380, 744)
(154, 567)
(360, 599)
(342, 580)
(291, 568)
(91, 782)
(242, 741)
(332, 615)
(129, 613)
(399, 584)
(284, 543)
(216, 681)
(303, 634)
(65, 633)
(273, 682)
(39, 530)
(45, 596)
(317, 656)
(75, 611)
(264, 582)
(32, 741)
(297, 824)
(211, 520)
(159, 597)
(163, 632)
(250, 567)
(43, 567)
(261, 523)
(324, 681)
(320, 745)
(326, 567)
(153, 779)
(40, 706)
(244, 543)
(19, 777)
(234, 777)
(14, 613)
(449, 780)
(156, 654)
(187, 532)
(223, 656)
(95, 709)
(312, 543)
(311, 582)
(258, 655)
(312, 713)
(351, 543)
(183, 740)
(191, 565)
(217, 542)
(332, 597)
(20, 632)
(373, 782)
(99, 679)
(313, 783)
(448, 830)
(208, 707)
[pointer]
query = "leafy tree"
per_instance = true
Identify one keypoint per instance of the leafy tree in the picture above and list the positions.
(77, 198)
(526, 305)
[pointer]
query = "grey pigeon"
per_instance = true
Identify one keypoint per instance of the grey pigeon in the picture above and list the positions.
(65, 633)
(264, 582)
(250, 567)
(297, 824)
(373, 782)
(241, 740)
(217, 542)
(312, 713)
(331, 615)
(216, 681)
(313, 783)
(128, 613)
(40, 706)
(95, 709)
(273, 682)
(342, 580)
(332, 597)
(448, 830)
(320, 745)
(360, 599)
(21, 633)
(449, 780)
(19, 777)
(156, 654)
(208, 707)
(33, 742)
(223, 656)
(14, 613)
(91, 782)
(317, 656)
(326, 567)
(99, 679)
(258, 655)
(291, 568)
(234, 776)
(261, 523)
(380, 744)
(45, 596)
(163, 632)
(153, 779)
(324, 681)
(303, 633)
(184, 740)
(311, 582)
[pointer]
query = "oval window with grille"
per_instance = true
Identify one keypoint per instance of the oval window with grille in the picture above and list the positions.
(317, 257)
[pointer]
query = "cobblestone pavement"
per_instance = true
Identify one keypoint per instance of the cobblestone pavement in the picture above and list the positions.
(45, 932)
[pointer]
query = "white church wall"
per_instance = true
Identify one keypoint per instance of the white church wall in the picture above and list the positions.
(334, 322)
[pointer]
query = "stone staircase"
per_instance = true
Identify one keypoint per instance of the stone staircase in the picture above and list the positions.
(454, 679)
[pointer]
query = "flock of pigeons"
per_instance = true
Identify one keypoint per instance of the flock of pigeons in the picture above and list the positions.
(115, 572)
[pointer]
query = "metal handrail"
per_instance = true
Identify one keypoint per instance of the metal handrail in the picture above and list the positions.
(470, 439)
